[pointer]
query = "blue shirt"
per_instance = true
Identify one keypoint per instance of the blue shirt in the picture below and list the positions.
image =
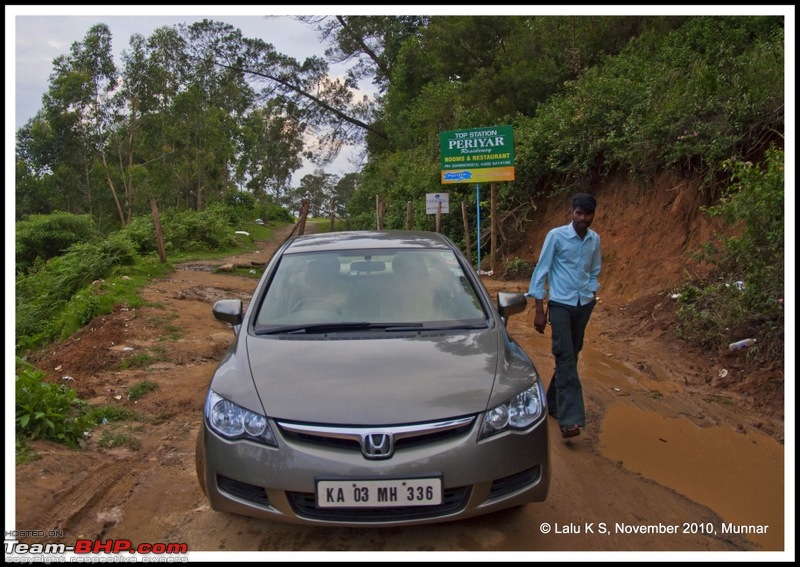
(570, 266)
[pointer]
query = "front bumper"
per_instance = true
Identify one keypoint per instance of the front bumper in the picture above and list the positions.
(503, 471)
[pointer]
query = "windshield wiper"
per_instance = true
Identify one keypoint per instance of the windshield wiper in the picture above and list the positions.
(458, 326)
(333, 327)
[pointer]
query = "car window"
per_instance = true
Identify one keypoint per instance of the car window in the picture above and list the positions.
(382, 286)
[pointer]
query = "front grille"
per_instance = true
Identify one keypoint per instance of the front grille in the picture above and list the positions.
(509, 484)
(349, 438)
(243, 490)
(334, 442)
(304, 505)
(432, 437)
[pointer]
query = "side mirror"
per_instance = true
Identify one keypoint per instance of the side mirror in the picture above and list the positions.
(509, 304)
(229, 311)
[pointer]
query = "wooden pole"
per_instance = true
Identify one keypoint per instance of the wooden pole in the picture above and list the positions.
(303, 215)
(439, 216)
(409, 215)
(332, 214)
(162, 252)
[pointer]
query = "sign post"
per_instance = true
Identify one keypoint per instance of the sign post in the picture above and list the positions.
(478, 155)
(478, 207)
(434, 200)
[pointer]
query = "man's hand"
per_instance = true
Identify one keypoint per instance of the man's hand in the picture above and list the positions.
(539, 321)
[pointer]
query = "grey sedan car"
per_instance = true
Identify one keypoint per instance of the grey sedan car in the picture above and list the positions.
(372, 381)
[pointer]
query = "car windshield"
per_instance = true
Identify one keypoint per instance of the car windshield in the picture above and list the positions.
(381, 289)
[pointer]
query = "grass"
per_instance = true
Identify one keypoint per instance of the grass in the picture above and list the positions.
(248, 272)
(173, 332)
(111, 440)
(139, 389)
(111, 413)
(24, 453)
(244, 244)
(136, 361)
(143, 359)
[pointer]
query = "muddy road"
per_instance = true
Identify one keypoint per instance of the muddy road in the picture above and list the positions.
(667, 463)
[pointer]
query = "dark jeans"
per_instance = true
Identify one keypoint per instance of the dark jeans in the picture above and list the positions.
(565, 394)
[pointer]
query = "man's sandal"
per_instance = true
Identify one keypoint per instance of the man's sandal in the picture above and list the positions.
(570, 431)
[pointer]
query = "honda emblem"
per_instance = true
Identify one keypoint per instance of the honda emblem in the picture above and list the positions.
(377, 445)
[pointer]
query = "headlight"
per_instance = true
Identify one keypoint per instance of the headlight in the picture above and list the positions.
(234, 422)
(518, 413)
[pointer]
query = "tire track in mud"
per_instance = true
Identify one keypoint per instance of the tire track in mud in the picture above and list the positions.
(93, 502)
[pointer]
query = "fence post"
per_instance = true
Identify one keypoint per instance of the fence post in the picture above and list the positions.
(303, 214)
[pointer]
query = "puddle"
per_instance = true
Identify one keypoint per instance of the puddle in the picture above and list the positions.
(739, 476)
(601, 366)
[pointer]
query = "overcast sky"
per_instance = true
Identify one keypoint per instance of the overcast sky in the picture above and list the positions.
(42, 38)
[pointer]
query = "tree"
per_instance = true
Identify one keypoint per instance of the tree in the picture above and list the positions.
(270, 149)
(328, 106)
(371, 42)
(318, 188)
(343, 192)
(80, 101)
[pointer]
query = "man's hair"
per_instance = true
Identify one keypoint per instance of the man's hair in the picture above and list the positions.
(584, 201)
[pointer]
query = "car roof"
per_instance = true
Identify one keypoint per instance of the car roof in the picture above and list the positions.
(367, 239)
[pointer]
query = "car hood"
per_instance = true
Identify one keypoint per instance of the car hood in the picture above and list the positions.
(371, 381)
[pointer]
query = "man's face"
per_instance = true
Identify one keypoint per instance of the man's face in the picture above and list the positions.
(581, 218)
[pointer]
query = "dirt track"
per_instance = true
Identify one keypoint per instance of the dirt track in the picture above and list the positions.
(655, 454)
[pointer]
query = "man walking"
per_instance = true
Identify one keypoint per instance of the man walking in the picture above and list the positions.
(570, 262)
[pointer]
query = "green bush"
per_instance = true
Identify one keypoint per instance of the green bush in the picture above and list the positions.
(684, 101)
(271, 212)
(48, 236)
(191, 231)
(746, 299)
(516, 269)
(48, 411)
(57, 297)
(43, 295)
(712, 314)
(142, 233)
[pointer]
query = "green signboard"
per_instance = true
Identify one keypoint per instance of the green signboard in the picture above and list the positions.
(477, 155)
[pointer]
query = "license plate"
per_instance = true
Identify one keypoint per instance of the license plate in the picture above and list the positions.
(379, 493)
